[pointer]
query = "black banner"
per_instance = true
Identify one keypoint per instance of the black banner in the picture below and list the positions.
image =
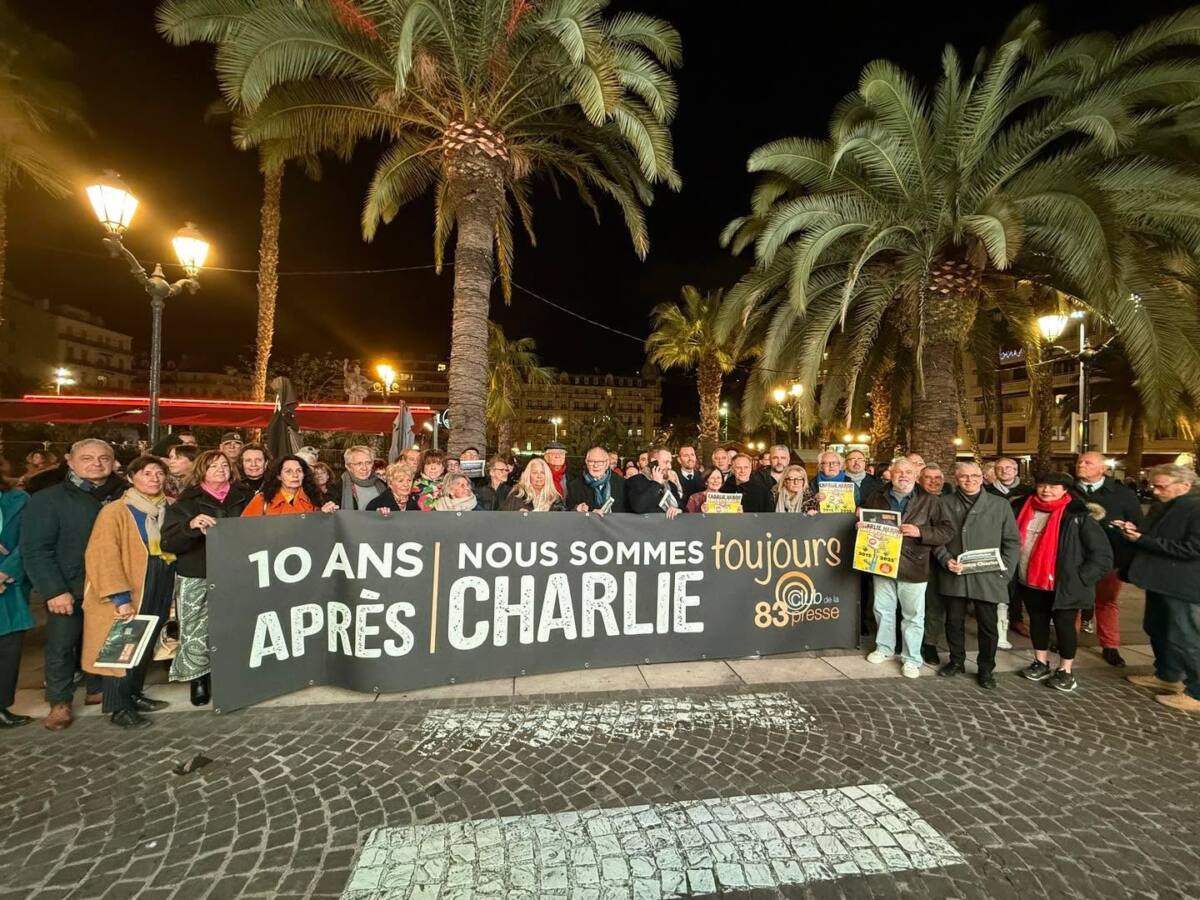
(418, 600)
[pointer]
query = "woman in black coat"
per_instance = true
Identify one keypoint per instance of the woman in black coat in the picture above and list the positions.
(211, 494)
(1064, 552)
(399, 496)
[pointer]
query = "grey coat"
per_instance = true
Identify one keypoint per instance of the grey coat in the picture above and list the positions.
(988, 523)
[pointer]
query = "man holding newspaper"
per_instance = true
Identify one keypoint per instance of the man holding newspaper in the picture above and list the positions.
(976, 565)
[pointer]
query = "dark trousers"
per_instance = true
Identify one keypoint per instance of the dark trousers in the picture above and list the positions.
(10, 666)
(119, 690)
(64, 639)
(1183, 641)
(1156, 622)
(1040, 606)
(1014, 604)
(956, 632)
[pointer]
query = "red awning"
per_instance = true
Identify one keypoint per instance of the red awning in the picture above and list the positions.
(74, 410)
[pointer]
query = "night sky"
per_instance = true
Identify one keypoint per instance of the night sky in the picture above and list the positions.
(753, 72)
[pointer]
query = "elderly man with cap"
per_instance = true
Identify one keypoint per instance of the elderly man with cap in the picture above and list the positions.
(1120, 505)
(555, 455)
(231, 445)
(1064, 552)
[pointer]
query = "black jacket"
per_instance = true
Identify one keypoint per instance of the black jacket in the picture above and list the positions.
(1166, 557)
(387, 500)
(46, 478)
(187, 543)
(756, 497)
(1084, 557)
(1120, 503)
(643, 495)
(579, 492)
(869, 487)
(1020, 491)
(692, 485)
(490, 497)
(926, 512)
(55, 530)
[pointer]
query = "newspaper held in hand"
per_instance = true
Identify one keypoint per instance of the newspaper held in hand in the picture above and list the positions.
(472, 468)
(606, 508)
(718, 502)
(836, 496)
(976, 562)
(126, 642)
(880, 517)
(878, 543)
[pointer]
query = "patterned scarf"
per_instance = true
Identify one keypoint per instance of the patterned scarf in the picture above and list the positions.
(601, 489)
(154, 508)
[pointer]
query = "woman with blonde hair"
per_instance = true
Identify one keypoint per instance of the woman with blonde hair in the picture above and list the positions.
(399, 496)
(534, 491)
(792, 494)
(457, 495)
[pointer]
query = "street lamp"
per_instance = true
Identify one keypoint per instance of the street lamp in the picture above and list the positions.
(556, 421)
(1051, 328)
(62, 377)
(114, 206)
(387, 377)
(794, 392)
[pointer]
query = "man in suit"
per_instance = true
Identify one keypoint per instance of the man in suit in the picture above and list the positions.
(755, 497)
(597, 485)
(691, 479)
(779, 458)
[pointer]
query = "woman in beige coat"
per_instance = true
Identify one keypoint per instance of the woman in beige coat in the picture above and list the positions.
(128, 574)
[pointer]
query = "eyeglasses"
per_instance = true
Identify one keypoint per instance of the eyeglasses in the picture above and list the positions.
(794, 478)
(970, 478)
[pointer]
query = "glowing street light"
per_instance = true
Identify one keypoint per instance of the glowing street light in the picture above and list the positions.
(387, 377)
(556, 421)
(1052, 327)
(114, 205)
(62, 378)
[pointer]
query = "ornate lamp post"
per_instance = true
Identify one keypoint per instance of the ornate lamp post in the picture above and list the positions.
(1051, 328)
(114, 206)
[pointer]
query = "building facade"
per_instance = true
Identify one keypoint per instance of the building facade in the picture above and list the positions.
(42, 337)
(590, 407)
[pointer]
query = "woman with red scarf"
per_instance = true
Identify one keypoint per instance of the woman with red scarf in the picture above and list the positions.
(1063, 554)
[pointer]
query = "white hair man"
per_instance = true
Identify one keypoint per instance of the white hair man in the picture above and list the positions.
(57, 525)
(981, 521)
(1166, 562)
(360, 484)
(924, 527)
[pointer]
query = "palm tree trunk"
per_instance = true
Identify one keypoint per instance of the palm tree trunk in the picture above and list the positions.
(268, 280)
(504, 436)
(1044, 395)
(935, 415)
(883, 419)
(3, 237)
(708, 386)
(1137, 443)
(476, 193)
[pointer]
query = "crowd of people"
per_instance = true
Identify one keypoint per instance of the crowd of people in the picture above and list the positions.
(98, 542)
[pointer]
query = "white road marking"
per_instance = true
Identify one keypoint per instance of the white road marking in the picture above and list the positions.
(445, 730)
(654, 852)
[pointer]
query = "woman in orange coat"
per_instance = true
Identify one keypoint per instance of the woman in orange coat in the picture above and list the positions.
(288, 488)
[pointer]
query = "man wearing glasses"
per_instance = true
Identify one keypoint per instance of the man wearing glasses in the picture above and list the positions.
(1166, 563)
(598, 484)
(981, 521)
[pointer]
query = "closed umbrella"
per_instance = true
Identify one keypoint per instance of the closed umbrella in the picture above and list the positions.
(283, 437)
(402, 433)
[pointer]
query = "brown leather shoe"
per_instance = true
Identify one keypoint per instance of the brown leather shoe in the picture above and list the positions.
(93, 699)
(60, 717)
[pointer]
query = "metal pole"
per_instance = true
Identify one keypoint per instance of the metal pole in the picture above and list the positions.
(1000, 410)
(156, 310)
(1084, 400)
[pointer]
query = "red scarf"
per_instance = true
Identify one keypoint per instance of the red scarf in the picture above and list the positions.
(558, 475)
(1044, 556)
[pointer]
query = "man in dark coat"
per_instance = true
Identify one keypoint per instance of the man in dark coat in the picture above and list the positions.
(768, 476)
(1120, 504)
(657, 489)
(924, 526)
(58, 523)
(598, 484)
(1166, 562)
(865, 483)
(981, 521)
(756, 498)
(691, 476)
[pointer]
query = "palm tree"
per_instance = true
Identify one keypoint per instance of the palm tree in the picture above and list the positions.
(1031, 165)
(33, 102)
(685, 337)
(512, 367)
(470, 101)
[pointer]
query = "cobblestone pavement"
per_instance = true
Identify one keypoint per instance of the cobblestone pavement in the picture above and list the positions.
(1016, 793)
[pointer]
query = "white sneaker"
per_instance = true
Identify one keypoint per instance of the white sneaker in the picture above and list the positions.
(910, 671)
(1004, 644)
(875, 657)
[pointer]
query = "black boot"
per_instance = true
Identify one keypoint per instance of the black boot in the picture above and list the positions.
(12, 720)
(1112, 656)
(128, 718)
(929, 653)
(200, 691)
(144, 704)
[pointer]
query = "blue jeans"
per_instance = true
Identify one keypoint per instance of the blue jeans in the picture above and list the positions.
(911, 598)
(1182, 639)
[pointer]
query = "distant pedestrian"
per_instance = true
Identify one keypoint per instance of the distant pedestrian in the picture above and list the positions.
(15, 618)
